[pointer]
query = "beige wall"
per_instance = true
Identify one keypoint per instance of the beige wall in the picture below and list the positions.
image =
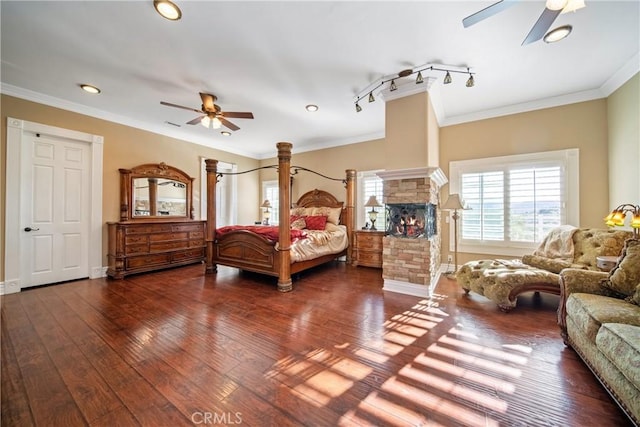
(582, 125)
(623, 112)
(406, 131)
(125, 147)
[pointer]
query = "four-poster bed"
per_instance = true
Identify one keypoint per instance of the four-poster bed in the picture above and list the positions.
(248, 250)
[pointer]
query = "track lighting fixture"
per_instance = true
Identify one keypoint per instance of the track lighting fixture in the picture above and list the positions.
(428, 69)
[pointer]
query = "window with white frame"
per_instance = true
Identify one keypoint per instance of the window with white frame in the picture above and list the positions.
(514, 201)
(369, 184)
(271, 192)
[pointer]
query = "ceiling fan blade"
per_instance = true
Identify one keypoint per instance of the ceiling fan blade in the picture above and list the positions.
(208, 101)
(180, 106)
(487, 12)
(541, 26)
(237, 115)
(227, 123)
(195, 121)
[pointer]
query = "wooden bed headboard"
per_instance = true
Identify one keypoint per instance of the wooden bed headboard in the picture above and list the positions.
(318, 198)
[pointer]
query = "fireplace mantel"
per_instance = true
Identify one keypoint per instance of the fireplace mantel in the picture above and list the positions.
(434, 173)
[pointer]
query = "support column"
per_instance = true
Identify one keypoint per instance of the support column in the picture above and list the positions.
(284, 230)
(350, 217)
(212, 180)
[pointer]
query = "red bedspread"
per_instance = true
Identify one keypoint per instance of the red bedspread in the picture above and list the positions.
(268, 232)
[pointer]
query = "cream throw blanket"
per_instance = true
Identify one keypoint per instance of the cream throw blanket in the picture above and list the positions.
(558, 243)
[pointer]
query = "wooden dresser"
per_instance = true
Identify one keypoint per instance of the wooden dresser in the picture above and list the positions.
(137, 247)
(368, 248)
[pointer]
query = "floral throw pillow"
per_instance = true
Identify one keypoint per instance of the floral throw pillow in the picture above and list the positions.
(298, 222)
(625, 276)
(316, 222)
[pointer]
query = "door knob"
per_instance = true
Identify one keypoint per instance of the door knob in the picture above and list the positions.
(27, 229)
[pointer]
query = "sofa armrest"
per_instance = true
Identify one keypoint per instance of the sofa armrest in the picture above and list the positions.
(573, 280)
(544, 263)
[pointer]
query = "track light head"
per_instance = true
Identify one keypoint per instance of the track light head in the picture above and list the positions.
(447, 78)
(470, 81)
(419, 78)
(371, 98)
(358, 108)
(393, 86)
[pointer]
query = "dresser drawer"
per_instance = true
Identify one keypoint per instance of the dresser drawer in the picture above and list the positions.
(168, 246)
(133, 239)
(136, 249)
(147, 260)
(189, 227)
(163, 237)
(195, 254)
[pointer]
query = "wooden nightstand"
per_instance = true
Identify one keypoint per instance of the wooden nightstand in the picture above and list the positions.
(367, 249)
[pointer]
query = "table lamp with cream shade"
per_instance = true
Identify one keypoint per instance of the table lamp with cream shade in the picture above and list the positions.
(373, 214)
(454, 203)
(266, 214)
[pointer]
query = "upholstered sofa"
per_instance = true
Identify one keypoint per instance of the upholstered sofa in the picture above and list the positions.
(503, 280)
(599, 317)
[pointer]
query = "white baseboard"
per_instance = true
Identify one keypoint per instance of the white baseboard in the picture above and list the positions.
(9, 287)
(98, 272)
(411, 288)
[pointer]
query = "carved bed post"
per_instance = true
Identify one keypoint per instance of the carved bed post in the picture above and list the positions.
(125, 193)
(212, 180)
(284, 206)
(350, 211)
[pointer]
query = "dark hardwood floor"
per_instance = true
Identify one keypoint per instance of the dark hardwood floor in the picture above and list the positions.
(181, 348)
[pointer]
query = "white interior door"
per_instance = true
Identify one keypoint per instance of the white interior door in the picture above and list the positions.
(55, 192)
(54, 200)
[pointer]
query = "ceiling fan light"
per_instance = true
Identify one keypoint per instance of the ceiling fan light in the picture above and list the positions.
(393, 86)
(556, 4)
(557, 34)
(206, 121)
(216, 123)
(167, 9)
(447, 78)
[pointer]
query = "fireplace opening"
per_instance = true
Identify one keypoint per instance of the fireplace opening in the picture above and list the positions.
(411, 220)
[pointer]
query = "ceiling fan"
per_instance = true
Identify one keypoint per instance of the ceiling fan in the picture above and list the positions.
(552, 9)
(212, 115)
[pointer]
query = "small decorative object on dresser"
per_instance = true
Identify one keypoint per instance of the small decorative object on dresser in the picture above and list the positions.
(368, 248)
(156, 228)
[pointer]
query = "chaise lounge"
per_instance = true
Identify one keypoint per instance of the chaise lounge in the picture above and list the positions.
(565, 247)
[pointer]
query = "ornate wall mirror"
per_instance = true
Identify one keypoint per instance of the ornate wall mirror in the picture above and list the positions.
(155, 191)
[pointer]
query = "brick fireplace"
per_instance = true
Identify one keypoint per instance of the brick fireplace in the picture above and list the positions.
(411, 249)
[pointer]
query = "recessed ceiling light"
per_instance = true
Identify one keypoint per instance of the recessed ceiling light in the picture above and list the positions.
(225, 133)
(557, 34)
(90, 88)
(311, 107)
(167, 9)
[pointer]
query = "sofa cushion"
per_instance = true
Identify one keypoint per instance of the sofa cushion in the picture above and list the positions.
(590, 311)
(635, 298)
(620, 344)
(625, 276)
(592, 242)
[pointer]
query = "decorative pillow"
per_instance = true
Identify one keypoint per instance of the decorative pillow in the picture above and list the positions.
(624, 278)
(315, 222)
(297, 222)
(300, 211)
(332, 214)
